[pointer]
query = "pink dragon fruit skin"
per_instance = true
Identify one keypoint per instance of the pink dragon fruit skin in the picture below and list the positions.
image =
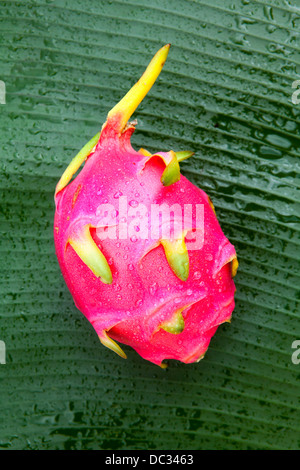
(156, 295)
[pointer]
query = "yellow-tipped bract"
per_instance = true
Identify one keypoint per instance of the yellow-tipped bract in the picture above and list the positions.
(87, 250)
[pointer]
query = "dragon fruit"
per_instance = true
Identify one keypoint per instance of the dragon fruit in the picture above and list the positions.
(139, 245)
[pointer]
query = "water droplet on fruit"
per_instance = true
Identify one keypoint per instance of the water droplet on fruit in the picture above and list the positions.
(133, 203)
(153, 288)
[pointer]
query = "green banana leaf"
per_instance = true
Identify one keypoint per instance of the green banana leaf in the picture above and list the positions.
(228, 92)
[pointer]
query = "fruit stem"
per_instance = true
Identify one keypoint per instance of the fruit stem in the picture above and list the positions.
(121, 113)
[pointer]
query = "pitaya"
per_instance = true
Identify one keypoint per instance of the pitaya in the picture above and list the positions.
(150, 281)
